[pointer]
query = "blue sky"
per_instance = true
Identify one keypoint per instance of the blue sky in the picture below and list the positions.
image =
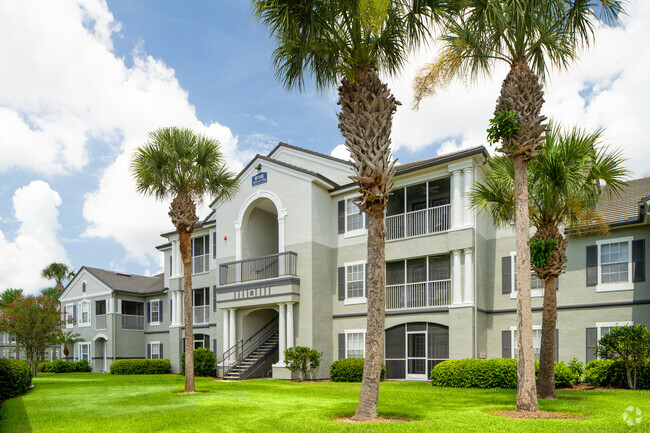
(88, 79)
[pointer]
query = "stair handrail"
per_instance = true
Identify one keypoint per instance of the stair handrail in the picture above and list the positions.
(238, 348)
(247, 350)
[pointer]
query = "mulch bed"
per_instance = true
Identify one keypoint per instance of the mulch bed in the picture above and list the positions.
(378, 419)
(540, 414)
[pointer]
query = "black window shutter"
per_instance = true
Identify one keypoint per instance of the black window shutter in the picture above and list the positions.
(148, 312)
(506, 343)
(74, 313)
(214, 346)
(592, 265)
(206, 341)
(214, 299)
(183, 345)
(341, 216)
(207, 296)
(638, 260)
(160, 311)
(592, 342)
(170, 266)
(214, 245)
(506, 272)
(341, 346)
(341, 283)
(365, 267)
(557, 282)
(365, 218)
(160, 352)
(557, 344)
(149, 351)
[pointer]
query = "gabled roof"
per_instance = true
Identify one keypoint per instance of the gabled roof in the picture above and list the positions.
(311, 152)
(128, 283)
(626, 209)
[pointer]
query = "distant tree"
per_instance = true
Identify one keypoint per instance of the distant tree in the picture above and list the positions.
(302, 359)
(629, 345)
(59, 272)
(6, 298)
(35, 322)
(52, 293)
(68, 338)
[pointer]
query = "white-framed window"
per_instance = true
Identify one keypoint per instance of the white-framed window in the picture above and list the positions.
(537, 340)
(200, 254)
(536, 285)
(154, 310)
(84, 313)
(355, 343)
(155, 350)
(355, 283)
(354, 219)
(69, 315)
(604, 327)
(614, 264)
(84, 352)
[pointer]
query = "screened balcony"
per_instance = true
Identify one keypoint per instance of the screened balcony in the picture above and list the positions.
(132, 315)
(418, 283)
(418, 209)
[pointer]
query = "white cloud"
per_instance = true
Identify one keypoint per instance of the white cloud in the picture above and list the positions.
(608, 86)
(66, 88)
(264, 119)
(340, 152)
(36, 243)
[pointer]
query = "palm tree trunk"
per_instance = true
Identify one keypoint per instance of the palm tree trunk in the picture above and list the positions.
(546, 386)
(526, 389)
(369, 397)
(185, 247)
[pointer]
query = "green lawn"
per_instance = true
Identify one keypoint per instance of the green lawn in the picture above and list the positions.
(86, 402)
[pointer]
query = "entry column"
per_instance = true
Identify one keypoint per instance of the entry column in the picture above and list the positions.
(290, 341)
(226, 332)
(283, 333)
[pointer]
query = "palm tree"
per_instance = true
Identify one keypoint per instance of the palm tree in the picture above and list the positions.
(6, 298)
(59, 272)
(530, 37)
(52, 293)
(176, 163)
(351, 42)
(68, 338)
(564, 187)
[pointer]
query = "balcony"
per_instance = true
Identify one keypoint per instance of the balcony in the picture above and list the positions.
(418, 295)
(201, 314)
(132, 322)
(100, 322)
(417, 223)
(258, 268)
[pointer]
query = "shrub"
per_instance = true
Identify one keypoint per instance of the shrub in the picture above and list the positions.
(302, 359)
(565, 377)
(44, 366)
(141, 366)
(15, 377)
(82, 366)
(577, 367)
(350, 370)
(204, 363)
(630, 347)
(607, 372)
(61, 366)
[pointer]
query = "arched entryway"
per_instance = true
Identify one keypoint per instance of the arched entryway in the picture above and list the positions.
(99, 364)
(260, 229)
(413, 349)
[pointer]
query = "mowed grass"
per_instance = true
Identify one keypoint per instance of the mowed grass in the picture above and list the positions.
(87, 402)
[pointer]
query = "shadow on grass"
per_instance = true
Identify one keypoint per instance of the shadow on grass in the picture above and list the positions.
(13, 416)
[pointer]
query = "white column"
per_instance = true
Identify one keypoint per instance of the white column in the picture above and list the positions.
(233, 335)
(455, 278)
(468, 181)
(456, 200)
(281, 219)
(179, 307)
(469, 276)
(226, 332)
(283, 334)
(237, 241)
(290, 341)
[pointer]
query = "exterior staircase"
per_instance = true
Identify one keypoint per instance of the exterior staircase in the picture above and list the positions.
(247, 356)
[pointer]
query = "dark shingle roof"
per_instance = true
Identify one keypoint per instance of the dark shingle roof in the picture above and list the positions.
(625, 209)
(129, 283)
(312, 152)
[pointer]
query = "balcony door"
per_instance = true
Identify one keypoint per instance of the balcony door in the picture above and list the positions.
(416, 355)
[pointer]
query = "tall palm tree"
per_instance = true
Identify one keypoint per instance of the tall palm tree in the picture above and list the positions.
(59, 272)
(564, 188)
(351, 42)
(53, 293)
(6, 298)
(68, 338)
(531, 37)
(176, 163)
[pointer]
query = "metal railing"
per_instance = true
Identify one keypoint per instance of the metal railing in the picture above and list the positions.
(201, 314)
(132, 322)
(100, 322)
(418, 295)
(259, 268)
(419, 222)
(237, 353)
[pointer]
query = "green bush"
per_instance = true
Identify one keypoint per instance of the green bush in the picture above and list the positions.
(204, 363)
(350, 370)
(44, 366)
(565, 377)
(302, 359)
(577, 367)
(82, 366)
(607, 372)
(141, 366)
(15, 377)
(61, 366)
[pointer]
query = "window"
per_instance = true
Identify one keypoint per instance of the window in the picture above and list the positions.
(200, 254)
(353, 217)
(84, 351)
(604, 327)
(155, 350)
(614, 264)
(155, 311)
(355, 281)
(537, 340)
(83, 287)
(69, 315)
(201, 341)
(84, 313)
(536, 285)
(355, 344)
(201, 305)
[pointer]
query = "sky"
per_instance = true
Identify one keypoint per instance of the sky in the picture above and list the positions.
(83, 82)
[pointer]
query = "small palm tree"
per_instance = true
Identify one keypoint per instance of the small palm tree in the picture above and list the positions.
(564, 188)
(68, 338)
(6, 298)
(530, 37)
(351, 41)
(59, 272)
(176, 163)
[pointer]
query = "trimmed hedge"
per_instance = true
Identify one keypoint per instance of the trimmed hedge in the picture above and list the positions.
(82, 366)
(350, 370)
(204, 363)
(61, 366)
(608, 372)
(15, 377)
(141, 366)
(44, 366)
(491, 373)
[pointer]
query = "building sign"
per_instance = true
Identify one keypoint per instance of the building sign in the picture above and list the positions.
(259, 178)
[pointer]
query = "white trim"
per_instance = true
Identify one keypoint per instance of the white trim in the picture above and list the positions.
(151, 301)
(415, 180)
(513, 340)
(157, 343)
(310, 157)
(80, 323)
(363, 345)
(358, 299)
(69, 313)
(620, 286)
(356, 232)
(600, 325)
(282, 214)
(98, 336)
(78, 277)
(534, 293)
(90, 352)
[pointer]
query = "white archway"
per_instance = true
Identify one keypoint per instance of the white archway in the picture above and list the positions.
(282, 214)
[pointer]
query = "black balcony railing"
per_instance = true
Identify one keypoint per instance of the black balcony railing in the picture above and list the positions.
(259, 268)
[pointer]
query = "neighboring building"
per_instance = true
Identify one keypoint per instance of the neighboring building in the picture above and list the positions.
(283, 264)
